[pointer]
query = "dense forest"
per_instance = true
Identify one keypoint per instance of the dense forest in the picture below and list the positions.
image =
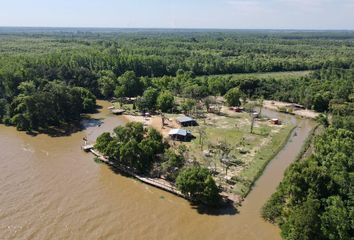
(48, 78)
(316, 198)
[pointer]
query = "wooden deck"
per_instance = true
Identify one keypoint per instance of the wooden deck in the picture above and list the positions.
(87, 148)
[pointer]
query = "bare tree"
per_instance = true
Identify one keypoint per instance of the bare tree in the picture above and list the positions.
(250, 108)
(202, 135)
(260, 105)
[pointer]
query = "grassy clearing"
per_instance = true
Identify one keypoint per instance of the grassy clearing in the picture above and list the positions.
(250, 153)
(265, 75)
(265, 154)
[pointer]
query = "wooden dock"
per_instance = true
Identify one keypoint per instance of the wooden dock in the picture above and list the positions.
(87, 148)
(155, 182)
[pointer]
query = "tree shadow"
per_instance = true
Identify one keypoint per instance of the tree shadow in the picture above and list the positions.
(96, 110)
(227, 208)
(89, 122)
(53, 131)
(119, 172)
(67, 129)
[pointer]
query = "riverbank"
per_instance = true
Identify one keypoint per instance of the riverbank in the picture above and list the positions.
(262, 159)
(49, 179)
(252, 151)
(155, 182)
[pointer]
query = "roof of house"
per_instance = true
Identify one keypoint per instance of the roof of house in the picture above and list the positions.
(185, 119)
(118, 111)
(180, 132)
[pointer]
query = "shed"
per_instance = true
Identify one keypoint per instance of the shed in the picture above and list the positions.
(180, 134)
(118, 111)
(186, 121)
(255, 115)
(275, 121)
(238, 109)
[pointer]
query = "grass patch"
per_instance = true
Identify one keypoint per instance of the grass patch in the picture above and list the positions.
(250, 153)
(255, 169)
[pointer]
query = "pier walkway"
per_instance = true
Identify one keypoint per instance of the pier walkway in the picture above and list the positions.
(155, 182)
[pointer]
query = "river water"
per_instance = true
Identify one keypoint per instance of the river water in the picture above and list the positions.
(50, 189)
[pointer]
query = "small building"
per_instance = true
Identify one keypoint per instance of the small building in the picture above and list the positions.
(118, 111)
(238, 109)
(180, 134)
(186, 121)
(129, 100)
(255, 115)
(275, 121)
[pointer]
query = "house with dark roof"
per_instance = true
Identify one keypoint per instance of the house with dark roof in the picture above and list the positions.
(186, 121)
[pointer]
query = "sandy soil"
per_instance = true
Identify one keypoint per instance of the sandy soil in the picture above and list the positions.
(155, 122)
(275, 105)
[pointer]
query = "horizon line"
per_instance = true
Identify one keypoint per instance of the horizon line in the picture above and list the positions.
(182, 28)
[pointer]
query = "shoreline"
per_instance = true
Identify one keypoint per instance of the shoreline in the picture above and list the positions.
(274, 155)
(156, 122)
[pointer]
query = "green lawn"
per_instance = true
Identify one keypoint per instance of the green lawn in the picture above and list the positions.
(261, 159)
(252, 152)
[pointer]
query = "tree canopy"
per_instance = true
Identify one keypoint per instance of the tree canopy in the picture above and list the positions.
(198, 183)
(233, 97)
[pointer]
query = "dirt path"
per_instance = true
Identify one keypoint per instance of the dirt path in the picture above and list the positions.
(275, 105)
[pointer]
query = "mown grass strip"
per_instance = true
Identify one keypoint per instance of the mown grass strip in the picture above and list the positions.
(251, 174)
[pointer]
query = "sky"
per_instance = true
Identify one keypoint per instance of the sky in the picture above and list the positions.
(224, 14)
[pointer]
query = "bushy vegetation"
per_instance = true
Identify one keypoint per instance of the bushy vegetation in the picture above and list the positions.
(198, 183)
(132, 146)
(144, 152)
(315, 199)
(40, 105)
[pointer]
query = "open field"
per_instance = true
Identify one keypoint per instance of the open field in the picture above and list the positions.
(264, 75)
(248, 153)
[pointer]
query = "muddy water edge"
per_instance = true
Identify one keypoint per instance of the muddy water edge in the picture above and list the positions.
(50, 189)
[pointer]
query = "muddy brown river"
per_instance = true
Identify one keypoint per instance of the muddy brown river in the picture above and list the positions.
(50, 189)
